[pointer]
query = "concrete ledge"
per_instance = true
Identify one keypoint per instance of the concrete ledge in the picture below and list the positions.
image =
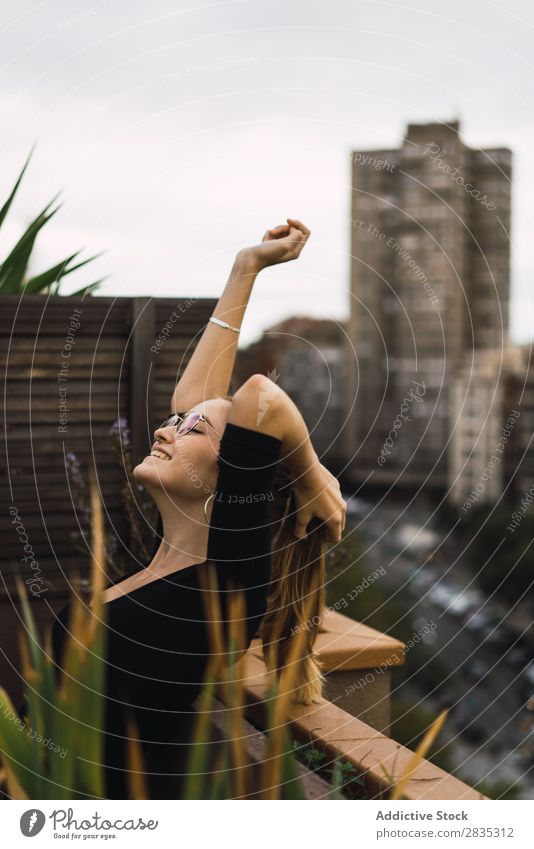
(343, 643)
(340, 735)
(344, 647)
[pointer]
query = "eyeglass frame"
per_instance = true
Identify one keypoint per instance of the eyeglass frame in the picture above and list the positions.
(182, 419)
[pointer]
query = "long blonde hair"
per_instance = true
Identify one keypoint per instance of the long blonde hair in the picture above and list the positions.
(296, 594)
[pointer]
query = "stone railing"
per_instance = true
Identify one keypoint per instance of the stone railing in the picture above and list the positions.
(352, 722)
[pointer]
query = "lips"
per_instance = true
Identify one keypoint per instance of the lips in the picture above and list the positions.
(157, 447)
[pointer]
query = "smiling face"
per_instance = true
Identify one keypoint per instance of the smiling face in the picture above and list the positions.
(186, 466)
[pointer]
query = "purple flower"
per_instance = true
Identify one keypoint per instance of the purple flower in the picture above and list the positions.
(74, 469)
(120, 430)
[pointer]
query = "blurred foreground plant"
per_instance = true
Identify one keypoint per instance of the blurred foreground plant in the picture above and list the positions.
(224, 772)
(69, 714)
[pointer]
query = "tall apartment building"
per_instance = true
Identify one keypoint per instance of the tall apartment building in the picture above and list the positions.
(430, 281)
(484, 427)
(519, 470)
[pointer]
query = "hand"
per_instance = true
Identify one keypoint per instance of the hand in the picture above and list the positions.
(318, 494)
(280, 244)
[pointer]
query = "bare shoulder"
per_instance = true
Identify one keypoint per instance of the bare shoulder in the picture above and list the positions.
(255, 403)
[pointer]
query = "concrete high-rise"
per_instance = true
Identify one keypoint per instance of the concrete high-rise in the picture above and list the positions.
(430, 280)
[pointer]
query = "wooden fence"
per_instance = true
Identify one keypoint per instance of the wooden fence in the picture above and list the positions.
(71, 368)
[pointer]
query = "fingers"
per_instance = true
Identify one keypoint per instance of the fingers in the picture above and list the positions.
(294, 222)
(338, 524)
(300, 531)
(279, 230)
(333, 526)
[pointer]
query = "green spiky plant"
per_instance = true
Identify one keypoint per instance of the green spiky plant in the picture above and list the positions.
(14, 270)
(224, 772)
(70, 714)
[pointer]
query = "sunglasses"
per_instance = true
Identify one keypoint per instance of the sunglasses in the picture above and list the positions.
(184, 424)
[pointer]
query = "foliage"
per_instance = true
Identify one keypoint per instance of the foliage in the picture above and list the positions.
(71, 714)
(501, 789)
(503, 558)
(344, 777)
(67, 715)
(231, 776)
(409, 724)
(14, 274)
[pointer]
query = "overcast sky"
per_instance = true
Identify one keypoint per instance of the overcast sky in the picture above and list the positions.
(179, 132)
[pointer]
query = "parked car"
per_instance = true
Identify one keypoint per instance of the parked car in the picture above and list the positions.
(481, 621)
(459, 604)
(441, 595)
(477, 668)
(424, 578)
(527, 682)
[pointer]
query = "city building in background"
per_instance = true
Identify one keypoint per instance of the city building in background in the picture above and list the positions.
(519, 467)
(481, 427)
(430, 281)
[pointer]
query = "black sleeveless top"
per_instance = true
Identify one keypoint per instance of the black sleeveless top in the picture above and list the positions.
(158, 643)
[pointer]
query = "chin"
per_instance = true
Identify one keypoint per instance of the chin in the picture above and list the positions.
(139, 471)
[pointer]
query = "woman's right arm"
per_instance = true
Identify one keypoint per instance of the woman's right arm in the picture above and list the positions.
(260, 404)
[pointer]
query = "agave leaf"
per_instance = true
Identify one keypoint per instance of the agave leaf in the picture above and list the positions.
(290, 779)
(70, 702)
(56, 273)
(32, 679)
(235, 689)
(86, 290)
(220, 786)
(92, 637)
(41, 694)
(277, 718)
(13, 786)
(40, 660)
(52, 275)
(9, 201)
(17, 749)
(14, 266)
(135, 762)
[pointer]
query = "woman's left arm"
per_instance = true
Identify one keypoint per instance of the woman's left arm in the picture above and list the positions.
(209, 371)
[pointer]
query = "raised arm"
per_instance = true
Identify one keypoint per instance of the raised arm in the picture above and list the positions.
(209, 371)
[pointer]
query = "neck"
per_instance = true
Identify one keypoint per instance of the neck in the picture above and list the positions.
(185, 536)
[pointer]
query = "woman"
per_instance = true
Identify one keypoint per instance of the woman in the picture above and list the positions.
(236, 482)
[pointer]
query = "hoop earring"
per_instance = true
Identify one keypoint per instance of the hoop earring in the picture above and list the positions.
(206, 504)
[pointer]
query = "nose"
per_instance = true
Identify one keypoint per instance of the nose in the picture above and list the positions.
(165, 434)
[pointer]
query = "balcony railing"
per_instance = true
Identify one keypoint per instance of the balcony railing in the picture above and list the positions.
(352, 722)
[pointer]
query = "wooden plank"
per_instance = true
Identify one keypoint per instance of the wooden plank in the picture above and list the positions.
(141, 358)
(101, 380)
